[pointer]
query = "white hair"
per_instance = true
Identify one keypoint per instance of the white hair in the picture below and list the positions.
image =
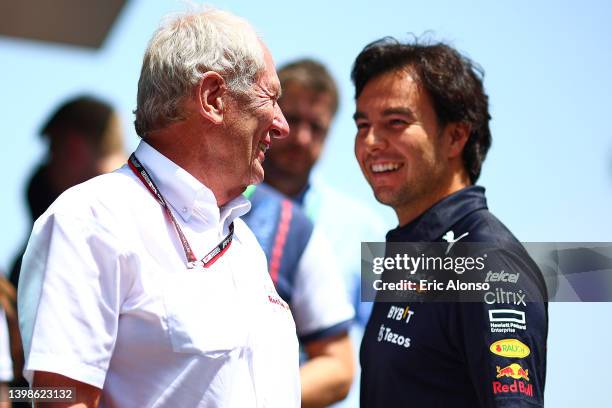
(184, 47)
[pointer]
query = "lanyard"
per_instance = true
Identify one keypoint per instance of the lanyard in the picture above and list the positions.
(192, 261)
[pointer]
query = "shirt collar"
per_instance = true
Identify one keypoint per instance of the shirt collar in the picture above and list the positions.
(186, 194)
(299, 197)
(439, 218)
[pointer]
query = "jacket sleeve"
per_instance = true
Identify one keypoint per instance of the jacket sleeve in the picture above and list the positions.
(504, 336)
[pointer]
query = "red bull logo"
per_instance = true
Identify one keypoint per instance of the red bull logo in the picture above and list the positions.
(516, 387)
(514, 370)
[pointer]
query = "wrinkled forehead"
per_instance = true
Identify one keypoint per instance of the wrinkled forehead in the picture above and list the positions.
(269, 77)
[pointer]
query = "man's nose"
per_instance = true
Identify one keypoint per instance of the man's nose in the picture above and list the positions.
(280, 127)
(302, 133)
(373, 140)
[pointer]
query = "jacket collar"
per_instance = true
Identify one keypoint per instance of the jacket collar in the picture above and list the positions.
(438, 219)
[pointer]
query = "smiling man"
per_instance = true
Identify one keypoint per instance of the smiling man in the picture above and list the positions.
(143, 287)
(422, 136)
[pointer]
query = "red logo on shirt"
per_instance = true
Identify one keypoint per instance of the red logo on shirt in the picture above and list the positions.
(516, 387)
(278, 301)
(514, 370)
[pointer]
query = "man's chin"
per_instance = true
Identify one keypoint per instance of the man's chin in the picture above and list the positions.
(256, 178)
(257, 173)
(291, 168)
(385, 196)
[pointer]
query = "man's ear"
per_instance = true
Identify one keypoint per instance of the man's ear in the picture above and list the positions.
(458, 134)
(211, 89)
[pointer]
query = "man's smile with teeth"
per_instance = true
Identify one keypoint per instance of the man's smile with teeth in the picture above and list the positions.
(384, 167)
(263, 146)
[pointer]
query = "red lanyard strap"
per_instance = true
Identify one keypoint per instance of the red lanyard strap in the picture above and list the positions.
(192, 261)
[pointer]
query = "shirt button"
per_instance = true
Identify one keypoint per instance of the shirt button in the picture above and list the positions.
(184, 209)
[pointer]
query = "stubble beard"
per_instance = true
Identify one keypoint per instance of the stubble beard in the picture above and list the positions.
(395, 199)
(415, 193)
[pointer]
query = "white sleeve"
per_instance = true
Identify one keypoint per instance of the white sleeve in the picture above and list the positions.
(69, 298)
(319, 302)
(6, 363)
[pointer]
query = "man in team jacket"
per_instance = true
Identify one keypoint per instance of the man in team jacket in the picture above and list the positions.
(422, 135)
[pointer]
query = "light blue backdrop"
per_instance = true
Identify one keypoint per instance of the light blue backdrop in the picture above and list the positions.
(548, 175)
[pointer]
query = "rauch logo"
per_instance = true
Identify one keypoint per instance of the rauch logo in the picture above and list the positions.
(510, 348)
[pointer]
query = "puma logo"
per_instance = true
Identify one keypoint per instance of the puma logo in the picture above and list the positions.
(450, 238)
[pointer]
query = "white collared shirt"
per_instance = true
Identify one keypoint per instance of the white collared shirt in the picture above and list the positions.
(105, 297)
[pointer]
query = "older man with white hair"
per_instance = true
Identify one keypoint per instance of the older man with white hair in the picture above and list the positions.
(143, 287)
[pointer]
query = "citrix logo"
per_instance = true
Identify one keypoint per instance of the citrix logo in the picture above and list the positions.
(502, 296)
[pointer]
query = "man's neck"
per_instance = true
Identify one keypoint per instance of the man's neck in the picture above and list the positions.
(173, 142)
(408, 213)
(289, 186)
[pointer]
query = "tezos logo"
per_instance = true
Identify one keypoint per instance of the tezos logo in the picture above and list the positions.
(385, 334)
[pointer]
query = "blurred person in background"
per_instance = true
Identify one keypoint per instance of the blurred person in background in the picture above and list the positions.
(153, 291)
(85, 139)
(304, 270)
(309, 102)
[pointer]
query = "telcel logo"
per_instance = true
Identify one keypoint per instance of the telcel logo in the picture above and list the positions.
(514, 370)
(510, 348)
(502, 277)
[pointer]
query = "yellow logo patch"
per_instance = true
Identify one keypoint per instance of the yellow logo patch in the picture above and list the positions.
(510, 348)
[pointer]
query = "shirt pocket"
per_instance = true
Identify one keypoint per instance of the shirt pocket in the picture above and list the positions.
(203, 312)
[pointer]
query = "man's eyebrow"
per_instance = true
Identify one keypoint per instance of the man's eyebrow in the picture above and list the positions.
(398, 111)
(387, 112)
(277, 90)
(359, 115)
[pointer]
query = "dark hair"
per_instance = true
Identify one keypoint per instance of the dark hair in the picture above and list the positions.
(310, 74)
(453, 82)
(87, 115)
